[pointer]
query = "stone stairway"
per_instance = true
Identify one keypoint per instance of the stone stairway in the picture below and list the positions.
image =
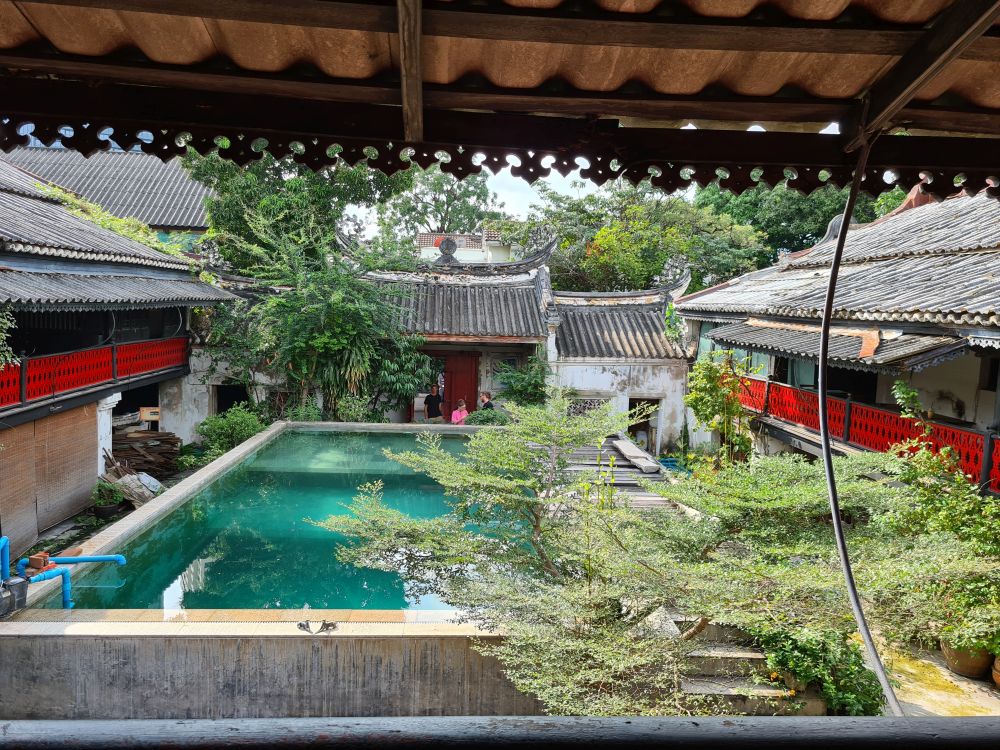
(723, 668)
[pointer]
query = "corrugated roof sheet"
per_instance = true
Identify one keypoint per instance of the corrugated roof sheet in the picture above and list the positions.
(624, 332)
(61, 291)
(491, 308)
(125, 183)
(32, 224)
(356, 54)
(843, 348)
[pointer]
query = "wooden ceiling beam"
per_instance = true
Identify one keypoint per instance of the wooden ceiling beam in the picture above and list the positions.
(410, 69)
(556, 27)
(953, 31)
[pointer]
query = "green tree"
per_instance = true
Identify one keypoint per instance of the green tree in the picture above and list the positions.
(622, 236)
(282, 192)
(436, 201)
(788, 219)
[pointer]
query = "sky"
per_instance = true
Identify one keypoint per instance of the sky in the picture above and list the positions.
(517, 195)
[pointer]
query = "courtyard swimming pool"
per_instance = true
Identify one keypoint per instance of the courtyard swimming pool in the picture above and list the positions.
(244, 541)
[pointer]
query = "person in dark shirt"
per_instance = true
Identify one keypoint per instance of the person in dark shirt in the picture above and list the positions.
(432, 406)
(486, 400)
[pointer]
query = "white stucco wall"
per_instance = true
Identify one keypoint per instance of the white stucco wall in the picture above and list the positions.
(104, 428)
(662, 381)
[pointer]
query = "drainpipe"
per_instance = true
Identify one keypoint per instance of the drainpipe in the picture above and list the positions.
(4, 558)
(67, 583)
(22, 564)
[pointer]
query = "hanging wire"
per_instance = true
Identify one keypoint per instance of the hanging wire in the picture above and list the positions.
(824, 427)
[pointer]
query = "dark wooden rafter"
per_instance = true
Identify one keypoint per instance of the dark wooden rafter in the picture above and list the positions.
(410, 69)
(174, 119)
(955, 30)
(507, 23)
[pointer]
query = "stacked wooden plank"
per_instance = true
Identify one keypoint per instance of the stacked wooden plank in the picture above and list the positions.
(144, 450)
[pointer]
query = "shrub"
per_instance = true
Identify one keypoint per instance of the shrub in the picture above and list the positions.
(222, 433)
(305, 412)
(105, 494)
(525, 385)
(488, 416)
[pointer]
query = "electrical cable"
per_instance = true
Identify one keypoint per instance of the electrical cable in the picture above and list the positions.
(824, 426)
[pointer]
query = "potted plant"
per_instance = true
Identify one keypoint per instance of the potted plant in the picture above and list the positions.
(108, 500)
(966, 648)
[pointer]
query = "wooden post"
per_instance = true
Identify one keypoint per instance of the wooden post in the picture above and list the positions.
(767, 397)
(847, 419)
(114, 362)
(984, 475)
(410, 69)
(23, 375)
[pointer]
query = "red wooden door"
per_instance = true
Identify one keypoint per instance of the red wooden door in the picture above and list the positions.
(461, 381)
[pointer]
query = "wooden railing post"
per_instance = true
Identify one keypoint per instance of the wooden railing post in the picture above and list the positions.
(847, 419)
(114, 362)
(767, 398)
(984, 476)
(23, 374)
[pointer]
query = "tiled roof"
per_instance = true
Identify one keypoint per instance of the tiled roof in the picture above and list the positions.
(624, 326)
(953, 225)
(462, 241)
(467, 306)
(891, 352)
(33, 224)
(936, 264)
(61, 291)
(124, 183)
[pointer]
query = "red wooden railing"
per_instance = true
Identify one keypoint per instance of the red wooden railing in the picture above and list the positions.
(56, 374)
(873, 428)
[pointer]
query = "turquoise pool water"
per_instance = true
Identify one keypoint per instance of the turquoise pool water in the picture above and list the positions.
(244, 543)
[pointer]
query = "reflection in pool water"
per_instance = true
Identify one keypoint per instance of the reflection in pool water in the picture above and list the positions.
(243, 542)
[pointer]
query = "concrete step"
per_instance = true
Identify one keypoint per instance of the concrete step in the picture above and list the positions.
(716, 632)
(727, 660)
(744, 697)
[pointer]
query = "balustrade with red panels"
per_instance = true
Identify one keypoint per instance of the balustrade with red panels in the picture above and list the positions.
(56, 374)
(870, 427)
(10, 384)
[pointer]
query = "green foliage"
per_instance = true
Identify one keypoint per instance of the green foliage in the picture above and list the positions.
(526, 385)
(436, 201)
(622, 236)
(330, 328)
(286, 195)
(487, 417)
(222, 433)
(7, 324)
(790, 220)
(714, 388)
(106, 494)
(908, 399)
(131, 228)
(305, 412)
(829, 660)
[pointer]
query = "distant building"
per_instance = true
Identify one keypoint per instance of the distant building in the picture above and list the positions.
(485, 247)
(918, 299)
(605, 346)
(101, 324)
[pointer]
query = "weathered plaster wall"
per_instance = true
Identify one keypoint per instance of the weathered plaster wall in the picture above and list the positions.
(941, 387)
(146, 677)
(660, 381)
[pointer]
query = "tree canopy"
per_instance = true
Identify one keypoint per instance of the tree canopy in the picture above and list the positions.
(788, 219)
(622, 236)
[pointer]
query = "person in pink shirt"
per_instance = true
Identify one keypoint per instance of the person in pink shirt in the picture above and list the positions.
(458, 416)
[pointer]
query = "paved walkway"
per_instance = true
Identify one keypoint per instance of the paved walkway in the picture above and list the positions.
(927, 688)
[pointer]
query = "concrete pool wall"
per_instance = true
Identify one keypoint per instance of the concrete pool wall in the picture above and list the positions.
(111, 664)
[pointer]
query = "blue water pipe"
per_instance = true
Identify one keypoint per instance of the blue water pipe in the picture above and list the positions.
(22, 564)
(4, 558)
(67, 583)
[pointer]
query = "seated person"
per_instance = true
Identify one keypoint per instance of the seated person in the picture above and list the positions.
(458, 416)
(432, 406)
